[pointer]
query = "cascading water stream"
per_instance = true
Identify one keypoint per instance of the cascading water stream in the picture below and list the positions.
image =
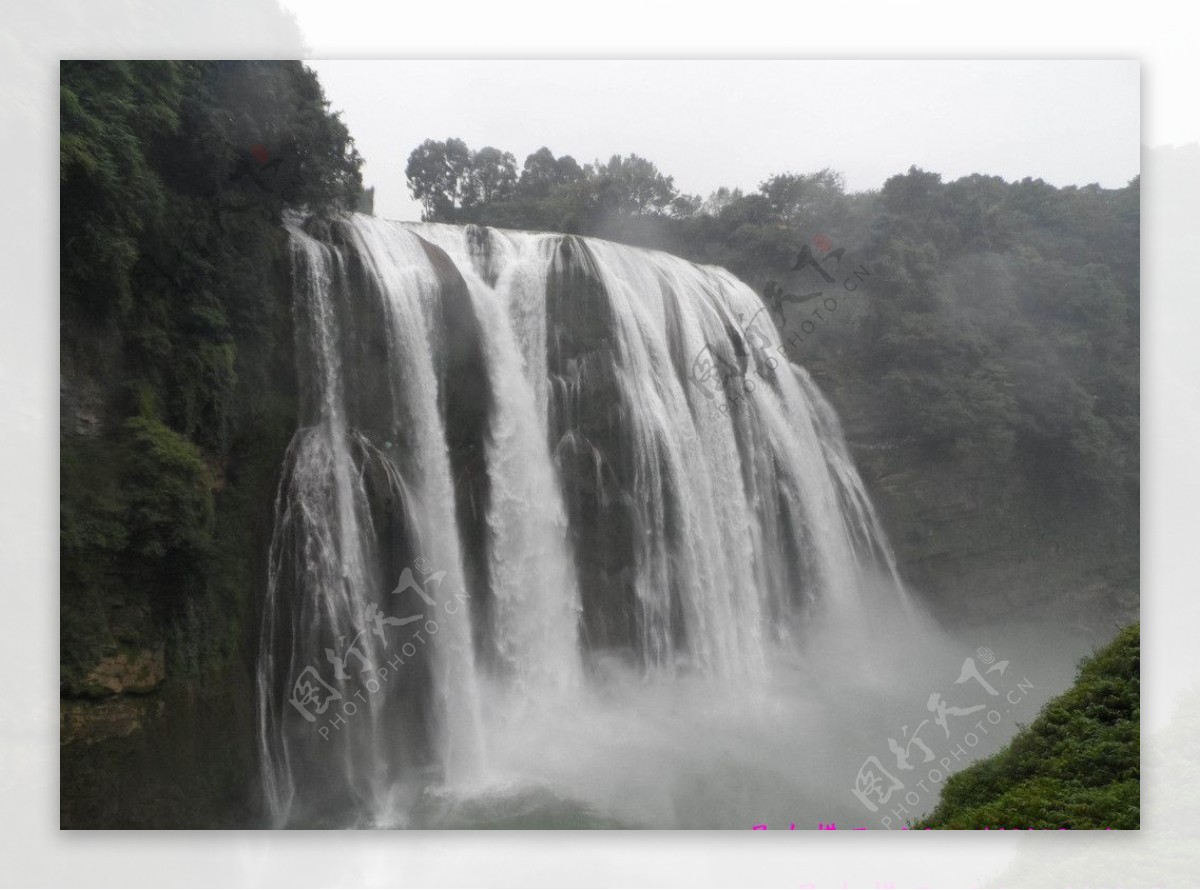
(532, 575)
(516, 438)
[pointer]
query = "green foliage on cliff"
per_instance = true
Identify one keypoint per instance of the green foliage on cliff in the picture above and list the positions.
(178, 400)
(169, 492)
(174, 175)
(176, 336)
(1076, 766)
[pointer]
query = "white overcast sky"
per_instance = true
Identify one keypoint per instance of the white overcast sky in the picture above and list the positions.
(734, 123)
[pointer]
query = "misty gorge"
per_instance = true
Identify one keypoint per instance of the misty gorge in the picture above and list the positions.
(564, 507)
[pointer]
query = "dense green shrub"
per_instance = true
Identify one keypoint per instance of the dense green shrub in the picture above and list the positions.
(1076, 766)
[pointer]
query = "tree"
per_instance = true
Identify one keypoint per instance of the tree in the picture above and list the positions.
(633, 185)
(686, 205)
(810, 201)
(492, 177)
(719, 200)
(439, 175)
(543, 173)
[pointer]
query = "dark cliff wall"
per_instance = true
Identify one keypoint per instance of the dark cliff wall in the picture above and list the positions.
(178, 398)
(982, 547)
(164, 546)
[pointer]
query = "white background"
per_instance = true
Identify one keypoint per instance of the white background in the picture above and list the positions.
(32, 850)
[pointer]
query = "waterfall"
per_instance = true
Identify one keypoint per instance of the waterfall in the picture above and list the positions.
(518, 463)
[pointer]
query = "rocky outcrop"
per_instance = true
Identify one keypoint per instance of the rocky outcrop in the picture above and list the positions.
(112, 718)
(981, 546)
(138, 671)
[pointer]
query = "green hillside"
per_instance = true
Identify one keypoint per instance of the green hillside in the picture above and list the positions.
(1076, 766)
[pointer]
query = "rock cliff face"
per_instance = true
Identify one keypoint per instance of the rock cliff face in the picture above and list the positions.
(978, 546)
(126, 672)
(112, 701)
(156, 670)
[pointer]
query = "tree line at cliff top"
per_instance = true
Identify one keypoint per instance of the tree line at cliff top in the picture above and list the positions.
(999, 322)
